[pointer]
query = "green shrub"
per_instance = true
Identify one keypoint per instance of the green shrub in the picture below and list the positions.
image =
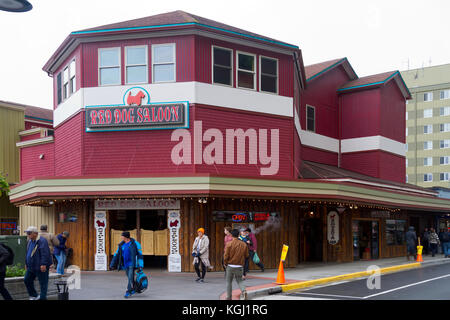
(15, 271)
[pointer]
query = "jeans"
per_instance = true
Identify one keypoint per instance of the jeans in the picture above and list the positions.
(3, 291)
(237, 274)
(61, 257)
(446, 248)
(433, 248)
(130, 275)
(43, 282)
(251, 253)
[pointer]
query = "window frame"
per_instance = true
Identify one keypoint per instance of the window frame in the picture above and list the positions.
(428, 164)
(444, 174)
(243, 70)
(427, 175)
(442, 111)
(442, 142)
(428, 93)
(118, 66)
(444, 127)
(277, 75)
(428, 130)
(428, 116)
(72, 84)
(231, 69)
(427, 145)
(136, 65)
(306, 118)
(443, 163)
(174, 48)
(442, 91)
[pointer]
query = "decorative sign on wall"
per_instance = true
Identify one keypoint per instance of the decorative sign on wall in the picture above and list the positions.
(174, 258)
(333, 227)
(101, 260)
(152, 204)
(242, 216)
(137, 113)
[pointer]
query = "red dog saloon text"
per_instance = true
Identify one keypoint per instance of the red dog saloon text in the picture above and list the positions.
(135, 115)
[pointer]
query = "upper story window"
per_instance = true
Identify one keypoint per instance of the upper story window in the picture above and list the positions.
(428, 113)
(109, 66)
(445, 94)
(428, 129)
(427, 145)
(310, 118)
(444, 144)
(66, 81)
(268, 79)
(136, 64)
(444, 127)
(246, 71)
(444, 111)
(222, 66)
(427, 177)
(163, 63)
(428, 96)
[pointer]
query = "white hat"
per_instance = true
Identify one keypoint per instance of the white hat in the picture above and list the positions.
(32, 229)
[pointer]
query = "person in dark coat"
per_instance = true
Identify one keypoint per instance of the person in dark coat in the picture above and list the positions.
(38, 262)
(426, 241)
(3, 256)
(411, 240)
(60, 251)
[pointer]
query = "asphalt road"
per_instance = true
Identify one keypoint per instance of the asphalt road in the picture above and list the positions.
(426, 283)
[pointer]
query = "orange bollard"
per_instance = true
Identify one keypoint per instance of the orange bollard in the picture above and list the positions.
(280, 276)
(419, 253)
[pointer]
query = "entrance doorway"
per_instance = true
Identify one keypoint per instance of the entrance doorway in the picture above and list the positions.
(148, 227)
(365, 239)
(312, 248)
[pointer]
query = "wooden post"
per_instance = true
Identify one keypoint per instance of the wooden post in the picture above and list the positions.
(325, 234)
(138, 225)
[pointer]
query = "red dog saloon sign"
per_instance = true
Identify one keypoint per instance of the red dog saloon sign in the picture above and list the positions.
(137, 114)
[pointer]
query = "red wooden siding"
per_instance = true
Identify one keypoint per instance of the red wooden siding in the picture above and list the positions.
(231, 119)
(321, 156)
(32, 166)
(393, 109)
(68, 146)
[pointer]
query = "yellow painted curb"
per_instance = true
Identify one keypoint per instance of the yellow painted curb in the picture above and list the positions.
(311, 283)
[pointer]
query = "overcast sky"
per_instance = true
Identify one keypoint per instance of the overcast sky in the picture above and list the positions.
(376, 36)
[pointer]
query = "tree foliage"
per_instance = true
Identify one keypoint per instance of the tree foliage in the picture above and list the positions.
(4, 185)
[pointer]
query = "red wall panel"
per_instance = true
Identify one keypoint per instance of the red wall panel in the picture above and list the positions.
(393, 109)
(321, 156)
(32, 166)
(68, 146)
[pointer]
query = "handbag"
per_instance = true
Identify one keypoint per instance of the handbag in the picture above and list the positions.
(256, 259)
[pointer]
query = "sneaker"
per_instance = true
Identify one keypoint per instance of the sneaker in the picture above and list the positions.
(262, 269)
(35, 298)
(198, 279)
(244, 295)
(127, 295)
(201, 281)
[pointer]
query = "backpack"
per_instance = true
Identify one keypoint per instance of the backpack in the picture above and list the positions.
(141, 282)
(10, 258)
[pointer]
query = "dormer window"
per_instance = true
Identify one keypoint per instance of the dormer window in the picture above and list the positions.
(222, 66)
(109, 66)
(268, 75)
(66, 82)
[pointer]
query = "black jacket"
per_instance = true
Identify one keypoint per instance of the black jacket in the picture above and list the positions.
(3, 255)
(411, 237)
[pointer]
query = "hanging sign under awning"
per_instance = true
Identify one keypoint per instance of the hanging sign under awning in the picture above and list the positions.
(333, 227)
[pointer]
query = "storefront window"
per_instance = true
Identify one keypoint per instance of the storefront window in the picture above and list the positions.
(395, 232)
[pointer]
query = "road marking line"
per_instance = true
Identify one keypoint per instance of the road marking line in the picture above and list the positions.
(403, 287)
(327, 295)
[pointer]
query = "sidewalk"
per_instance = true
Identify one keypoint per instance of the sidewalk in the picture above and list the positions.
(181, 286)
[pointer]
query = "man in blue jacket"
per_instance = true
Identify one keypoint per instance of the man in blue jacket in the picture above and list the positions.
(128, 257)
(38, 261)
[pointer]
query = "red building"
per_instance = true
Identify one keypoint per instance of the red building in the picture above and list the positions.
(171, 122)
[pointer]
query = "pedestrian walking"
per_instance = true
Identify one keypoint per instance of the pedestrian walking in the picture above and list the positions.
(128, 257)
(441, 232)
(252, 247)
(426, 241)
(200, 252)
(38, 261)
(446, 243)
(411, 240)
(434, 241)
(235, 254)
(244, 238)
(4, 256)
(227, 239)
(60, 251)
(52, 241)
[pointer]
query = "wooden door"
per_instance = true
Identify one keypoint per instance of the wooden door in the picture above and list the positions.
(116, 238)
(147, 242)
(161, 242)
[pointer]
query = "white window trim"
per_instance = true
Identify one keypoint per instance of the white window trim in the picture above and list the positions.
(260, 73)
(428, 164)
(212, 66)
(444, 108)
(136, 65)
(429, 131)
(426, 117)
(427, 177)
(119, 65)
(444, 147)
(444, 164)
(446, 127)
(431, 93)
(427, 145)
(69, 93)
(72, 77)
(237, 70)
(444, 98)
(306, 118)
(174, 48)
(444, 173)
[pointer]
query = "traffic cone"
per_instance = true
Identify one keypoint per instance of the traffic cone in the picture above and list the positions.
(280, 276)
(419, 253)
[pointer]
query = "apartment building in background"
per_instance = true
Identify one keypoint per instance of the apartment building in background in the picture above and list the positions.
(428, 126)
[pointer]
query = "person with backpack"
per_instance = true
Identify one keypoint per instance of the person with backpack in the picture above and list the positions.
(252, 246)
(6, 258)
(37, 262)
(128, 257)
